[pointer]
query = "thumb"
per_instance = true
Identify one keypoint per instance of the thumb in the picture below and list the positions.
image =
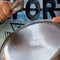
(56, 19)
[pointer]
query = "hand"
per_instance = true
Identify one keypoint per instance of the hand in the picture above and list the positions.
(56, 19)
(5, 10)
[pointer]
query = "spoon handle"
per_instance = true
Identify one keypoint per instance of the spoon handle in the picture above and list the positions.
(17, 6)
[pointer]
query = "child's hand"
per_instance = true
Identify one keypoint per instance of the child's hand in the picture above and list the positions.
(5, 10)
(56, 19)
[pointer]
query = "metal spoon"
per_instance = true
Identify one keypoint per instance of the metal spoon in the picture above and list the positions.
(17, 5)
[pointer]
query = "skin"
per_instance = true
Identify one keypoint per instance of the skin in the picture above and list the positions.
(56, 19)
(5, 10)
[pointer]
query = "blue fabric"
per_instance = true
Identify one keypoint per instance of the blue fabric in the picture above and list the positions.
(24, 19)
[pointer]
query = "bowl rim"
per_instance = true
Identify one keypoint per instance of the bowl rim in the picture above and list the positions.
(24, 26)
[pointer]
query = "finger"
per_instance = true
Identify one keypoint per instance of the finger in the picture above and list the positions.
(2, 15)
(6, 8)
(56, 19)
